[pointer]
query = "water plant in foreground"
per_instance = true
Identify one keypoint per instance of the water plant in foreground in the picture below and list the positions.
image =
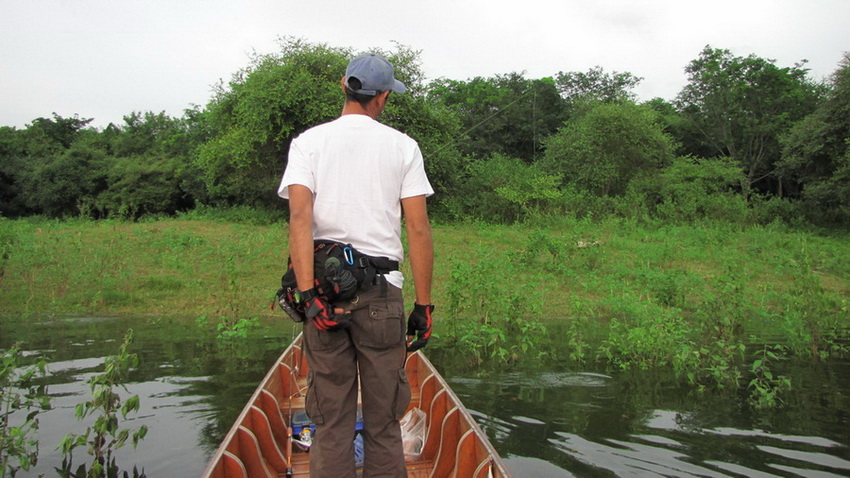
(105, 435)
(19, 393)
(766, 388)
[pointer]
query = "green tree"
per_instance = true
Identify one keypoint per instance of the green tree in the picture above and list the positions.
(150, 170)
(816, 154)
(141, 185)
(60, 183)
(689, 140)
(500, 189)
(56, 165)
(11, 156)
(45, 135)
(506, 114)
(691, 189)
(597, 85)
(742, 105)
(254, 118)
(603, 149)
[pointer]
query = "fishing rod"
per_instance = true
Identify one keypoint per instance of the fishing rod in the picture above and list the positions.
(493, 115)
(289, 435)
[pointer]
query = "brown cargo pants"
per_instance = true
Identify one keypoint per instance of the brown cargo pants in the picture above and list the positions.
(374, 346)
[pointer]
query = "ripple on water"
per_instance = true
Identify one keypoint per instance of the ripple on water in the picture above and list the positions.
(540, 380)
(815, 441)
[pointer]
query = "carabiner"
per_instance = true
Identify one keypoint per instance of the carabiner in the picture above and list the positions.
(349, 255)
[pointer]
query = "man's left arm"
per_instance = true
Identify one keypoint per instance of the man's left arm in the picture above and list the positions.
(421, 252)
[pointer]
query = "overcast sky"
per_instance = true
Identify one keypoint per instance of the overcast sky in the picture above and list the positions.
(104, 59)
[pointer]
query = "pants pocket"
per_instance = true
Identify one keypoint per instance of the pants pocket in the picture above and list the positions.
(324, 339)
(384, 327)
(403, 395)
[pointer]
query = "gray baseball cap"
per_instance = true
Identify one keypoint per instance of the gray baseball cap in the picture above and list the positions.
(375, 74)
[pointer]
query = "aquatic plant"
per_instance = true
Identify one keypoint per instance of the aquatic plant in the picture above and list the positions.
(492, 318)
(766, 387)
(105, 435)
(19, 393)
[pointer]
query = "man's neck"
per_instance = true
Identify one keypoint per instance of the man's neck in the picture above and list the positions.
(355, 108)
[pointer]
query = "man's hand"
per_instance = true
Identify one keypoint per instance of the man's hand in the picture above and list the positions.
(319, 311)
(419, 325)
(316, 308)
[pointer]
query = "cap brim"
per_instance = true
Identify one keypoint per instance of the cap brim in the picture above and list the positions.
(398, 87)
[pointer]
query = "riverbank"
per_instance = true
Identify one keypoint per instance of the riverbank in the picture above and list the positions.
(187, 268)
(595, 329)
(608, 275)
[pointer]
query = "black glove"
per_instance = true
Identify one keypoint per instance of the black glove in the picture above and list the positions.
(419, 322)
(320, 311)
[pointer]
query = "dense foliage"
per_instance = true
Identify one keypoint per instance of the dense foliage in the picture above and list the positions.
(745, 139)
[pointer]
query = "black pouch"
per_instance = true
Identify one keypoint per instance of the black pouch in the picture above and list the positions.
(339, 271)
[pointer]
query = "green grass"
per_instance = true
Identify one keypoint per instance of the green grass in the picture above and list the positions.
(177, 268)
(703, 283)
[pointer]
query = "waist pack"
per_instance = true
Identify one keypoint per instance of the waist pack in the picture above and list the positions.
(339, 271)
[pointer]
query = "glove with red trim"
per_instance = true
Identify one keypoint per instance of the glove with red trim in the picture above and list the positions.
(320, 311)
(419, 325)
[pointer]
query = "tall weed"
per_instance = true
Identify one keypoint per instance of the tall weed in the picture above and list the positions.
(494, 315)
(644, 335)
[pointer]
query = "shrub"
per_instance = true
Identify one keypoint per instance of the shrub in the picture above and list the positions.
(503, 190)
(693, 189)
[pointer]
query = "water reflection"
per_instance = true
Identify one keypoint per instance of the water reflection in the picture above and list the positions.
(546, 421)
(191, 386)
(643, 424)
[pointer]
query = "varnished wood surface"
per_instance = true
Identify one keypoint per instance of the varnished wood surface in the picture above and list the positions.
(259, 444)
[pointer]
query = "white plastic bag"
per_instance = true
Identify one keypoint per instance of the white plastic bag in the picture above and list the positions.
(413, 433)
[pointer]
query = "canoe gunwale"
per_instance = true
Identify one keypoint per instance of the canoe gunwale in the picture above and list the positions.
(424, 371)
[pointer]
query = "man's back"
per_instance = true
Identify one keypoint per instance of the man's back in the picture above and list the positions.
(358, 170)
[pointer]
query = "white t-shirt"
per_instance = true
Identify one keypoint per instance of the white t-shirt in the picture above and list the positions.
(358, 170)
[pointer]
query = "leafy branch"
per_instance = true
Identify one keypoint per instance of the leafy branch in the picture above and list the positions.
(105, 435)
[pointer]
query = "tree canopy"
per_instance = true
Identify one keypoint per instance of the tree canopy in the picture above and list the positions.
(743, 105)
(742, 132)
(816, 153)
(603, 149)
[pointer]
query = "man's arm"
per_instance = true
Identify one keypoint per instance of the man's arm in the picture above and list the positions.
(420, 246)
(301, 234)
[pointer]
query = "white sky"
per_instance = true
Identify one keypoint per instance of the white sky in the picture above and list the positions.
(104, 59)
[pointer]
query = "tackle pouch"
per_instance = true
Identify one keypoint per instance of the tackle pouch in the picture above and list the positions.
(339, 271)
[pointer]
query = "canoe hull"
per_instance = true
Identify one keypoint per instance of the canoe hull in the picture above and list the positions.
(260, 443)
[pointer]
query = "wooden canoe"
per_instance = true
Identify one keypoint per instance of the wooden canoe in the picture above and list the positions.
(260, 441)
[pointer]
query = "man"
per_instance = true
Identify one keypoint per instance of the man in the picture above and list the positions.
(348, 181)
